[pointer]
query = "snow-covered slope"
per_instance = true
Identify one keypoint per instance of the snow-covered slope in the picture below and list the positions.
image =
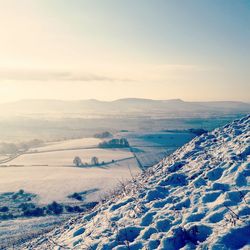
(198, 198)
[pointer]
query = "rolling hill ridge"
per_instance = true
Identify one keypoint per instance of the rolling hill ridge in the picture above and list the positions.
(127, 106)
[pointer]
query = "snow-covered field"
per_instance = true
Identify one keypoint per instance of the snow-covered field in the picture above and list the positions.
(14, 230)
(164, 139)
(197, 198)
(151, 147)
(150, 156)
(49, 172)
(53, 176)
(66, 157)
(56, 183)
(68, 144)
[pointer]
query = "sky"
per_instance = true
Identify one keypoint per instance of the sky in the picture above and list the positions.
(109, 49)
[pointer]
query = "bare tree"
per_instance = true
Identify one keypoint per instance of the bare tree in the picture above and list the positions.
(94, 161)
(77, 161)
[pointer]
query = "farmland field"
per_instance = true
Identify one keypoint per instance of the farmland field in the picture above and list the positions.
(64, 158)
(151, 147)
(48, 171)
(67, 144)
(56, 183)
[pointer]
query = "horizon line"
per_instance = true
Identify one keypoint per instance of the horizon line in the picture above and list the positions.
(119, 99)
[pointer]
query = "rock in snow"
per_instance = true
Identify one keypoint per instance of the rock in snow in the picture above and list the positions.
(197, 198)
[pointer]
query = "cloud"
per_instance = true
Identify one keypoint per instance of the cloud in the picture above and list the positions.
(66, 76)
(114, 73)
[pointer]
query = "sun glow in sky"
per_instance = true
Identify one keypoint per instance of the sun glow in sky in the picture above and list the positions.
(110, 49)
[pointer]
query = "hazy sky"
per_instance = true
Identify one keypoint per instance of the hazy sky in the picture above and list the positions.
(109, 49)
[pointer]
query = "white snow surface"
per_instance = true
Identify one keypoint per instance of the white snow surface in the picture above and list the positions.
(197, 198)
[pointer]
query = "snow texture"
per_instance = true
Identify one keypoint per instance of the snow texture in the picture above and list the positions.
(197, 198)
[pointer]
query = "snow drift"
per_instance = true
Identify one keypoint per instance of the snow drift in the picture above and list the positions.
(198, 198)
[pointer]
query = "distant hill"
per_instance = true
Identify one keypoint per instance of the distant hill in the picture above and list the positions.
(123, 107)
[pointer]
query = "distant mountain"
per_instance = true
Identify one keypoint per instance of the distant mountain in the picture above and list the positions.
(123, 107)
